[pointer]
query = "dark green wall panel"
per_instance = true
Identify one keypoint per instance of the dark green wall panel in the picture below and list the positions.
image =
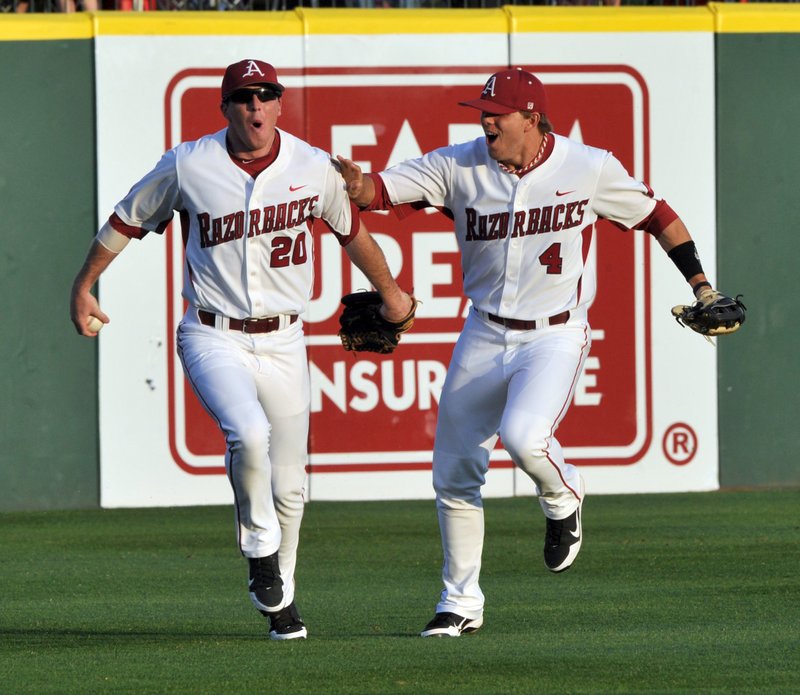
(758, 155)
(48, 455)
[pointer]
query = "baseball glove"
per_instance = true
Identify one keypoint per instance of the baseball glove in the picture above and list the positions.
(712, 314)
(363, 328)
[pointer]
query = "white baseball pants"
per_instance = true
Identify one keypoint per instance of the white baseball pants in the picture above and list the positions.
(256, 387)
(517, 384)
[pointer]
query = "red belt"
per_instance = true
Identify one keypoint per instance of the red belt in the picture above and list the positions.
(518, 325)
(265, 325)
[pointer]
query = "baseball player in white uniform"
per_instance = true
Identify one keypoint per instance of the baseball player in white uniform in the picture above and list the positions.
(248, 197)
(524, 203)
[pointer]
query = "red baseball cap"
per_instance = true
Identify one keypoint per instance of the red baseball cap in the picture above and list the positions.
(508, 91)
(247, 72)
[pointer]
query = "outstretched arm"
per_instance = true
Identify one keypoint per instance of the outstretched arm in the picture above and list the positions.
(713, 313)
(83, 303)
(367, 256)
(677, 242)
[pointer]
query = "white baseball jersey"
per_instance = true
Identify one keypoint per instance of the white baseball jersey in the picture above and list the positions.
(524, 242)
(248, 241)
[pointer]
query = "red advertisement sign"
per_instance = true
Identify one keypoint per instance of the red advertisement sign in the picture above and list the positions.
(380, 116)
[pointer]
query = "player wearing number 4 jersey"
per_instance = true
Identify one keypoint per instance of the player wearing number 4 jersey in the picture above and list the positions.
(524, 202)
(248, 198)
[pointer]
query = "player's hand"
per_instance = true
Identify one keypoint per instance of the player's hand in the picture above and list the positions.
(83, 307)
(352, 175)
(397, 307)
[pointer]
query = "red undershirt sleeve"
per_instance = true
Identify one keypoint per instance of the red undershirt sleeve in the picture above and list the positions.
(380, 201)
(658, 220)
(133, 232)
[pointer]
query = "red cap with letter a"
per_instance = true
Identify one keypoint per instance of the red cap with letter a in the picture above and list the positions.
(247, 72)
(508, 91)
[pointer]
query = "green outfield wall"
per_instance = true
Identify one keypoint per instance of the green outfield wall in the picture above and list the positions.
(48, 457)
(49, 412)
(758, 214)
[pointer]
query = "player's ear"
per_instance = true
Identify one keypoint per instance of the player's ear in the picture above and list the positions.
(532, 120)
(223, 107)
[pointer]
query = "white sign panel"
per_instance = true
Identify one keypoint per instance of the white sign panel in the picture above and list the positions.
(640, 420)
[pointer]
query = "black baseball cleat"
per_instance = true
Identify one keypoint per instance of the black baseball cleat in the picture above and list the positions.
(450, 625)
(562, 541)
(286, 624)
(266, 585)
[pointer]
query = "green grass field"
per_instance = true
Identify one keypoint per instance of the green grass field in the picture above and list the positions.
(692, 593)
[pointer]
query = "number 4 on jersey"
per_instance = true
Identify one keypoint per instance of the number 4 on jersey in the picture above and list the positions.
(552, 260)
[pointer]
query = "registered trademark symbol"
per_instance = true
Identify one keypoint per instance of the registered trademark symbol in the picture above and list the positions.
(679, 443)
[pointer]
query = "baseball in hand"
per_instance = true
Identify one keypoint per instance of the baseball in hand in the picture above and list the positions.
(94, 324)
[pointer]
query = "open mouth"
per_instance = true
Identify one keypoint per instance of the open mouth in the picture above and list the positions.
(491, 137)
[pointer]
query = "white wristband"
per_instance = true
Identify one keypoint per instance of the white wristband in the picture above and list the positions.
(111, 238)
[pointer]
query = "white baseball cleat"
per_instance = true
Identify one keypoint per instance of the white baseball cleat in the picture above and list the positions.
(450, 625)
(286, 624)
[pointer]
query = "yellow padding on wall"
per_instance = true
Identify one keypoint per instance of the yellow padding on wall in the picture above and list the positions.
(756, 18)
(714, 17)
(396, 21)
(187, 23)
(303, 21)
(45, 27)
(525, 19)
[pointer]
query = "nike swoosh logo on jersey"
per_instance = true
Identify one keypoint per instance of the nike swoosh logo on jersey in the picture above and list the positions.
(560, 193)
(297, 188)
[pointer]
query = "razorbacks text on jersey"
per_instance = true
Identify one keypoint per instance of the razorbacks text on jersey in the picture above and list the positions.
(248, 243)
(525, 242)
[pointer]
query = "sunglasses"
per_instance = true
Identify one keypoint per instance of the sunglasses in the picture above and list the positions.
(245, 96)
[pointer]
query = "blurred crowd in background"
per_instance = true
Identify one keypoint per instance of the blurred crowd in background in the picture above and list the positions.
(277, 5)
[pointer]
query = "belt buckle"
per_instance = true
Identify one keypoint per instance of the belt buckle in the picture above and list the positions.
(246, 322)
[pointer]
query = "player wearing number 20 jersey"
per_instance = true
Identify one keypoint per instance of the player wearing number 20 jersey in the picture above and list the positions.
(248, 197)
(236, 226)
